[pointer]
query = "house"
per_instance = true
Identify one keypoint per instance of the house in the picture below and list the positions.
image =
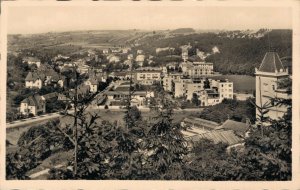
(138, 98)
(34, 80)
(113, 59)
(32, 61)
(140, 59)
(33, 105)
(106, 51)
(185, 51)
(270, 72)
(93, 83)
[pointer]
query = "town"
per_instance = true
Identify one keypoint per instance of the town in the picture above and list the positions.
(120, 79)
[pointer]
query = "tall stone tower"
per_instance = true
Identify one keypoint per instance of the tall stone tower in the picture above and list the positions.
(267, 75)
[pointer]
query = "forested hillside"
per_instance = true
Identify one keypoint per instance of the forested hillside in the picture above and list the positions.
(239, 51)
(237, 55)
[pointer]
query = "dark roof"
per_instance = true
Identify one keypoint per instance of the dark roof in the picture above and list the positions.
(238, 127)
(50, 95)
(227, 137)
(34, 100)
(271, 63)
(33, 76)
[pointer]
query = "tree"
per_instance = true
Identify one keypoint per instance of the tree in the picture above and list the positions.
(165, 146)
(206, 84)
(195, 99)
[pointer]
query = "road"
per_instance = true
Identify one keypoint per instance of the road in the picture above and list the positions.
(93, 106)
(36, 119)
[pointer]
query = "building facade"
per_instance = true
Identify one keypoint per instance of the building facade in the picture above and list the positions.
(270, 72)
(33, 105)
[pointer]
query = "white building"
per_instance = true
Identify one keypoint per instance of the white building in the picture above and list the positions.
(169, 79)
(147, 75)
(225, 89)
(197, 69)
(34, 80)
(93, 84)
(270, 72)
(33, 104)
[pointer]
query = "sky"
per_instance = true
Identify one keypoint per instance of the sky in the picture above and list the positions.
(40, 19)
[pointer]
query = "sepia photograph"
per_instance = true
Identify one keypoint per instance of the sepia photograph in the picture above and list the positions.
(149, 91)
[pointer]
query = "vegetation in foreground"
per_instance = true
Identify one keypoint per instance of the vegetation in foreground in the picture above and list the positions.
(152, 149)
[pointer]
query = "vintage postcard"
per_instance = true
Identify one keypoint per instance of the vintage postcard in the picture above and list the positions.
(152, 95)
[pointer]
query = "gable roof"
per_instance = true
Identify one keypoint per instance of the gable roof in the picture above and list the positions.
(34, 100)
(50, 95)
(33, 76)
(238, 127)
(198, 122)
(271, 63)
(227, 137)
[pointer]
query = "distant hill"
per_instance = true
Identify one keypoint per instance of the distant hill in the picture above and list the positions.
(240, 51)
(183, 31)
(237, 54)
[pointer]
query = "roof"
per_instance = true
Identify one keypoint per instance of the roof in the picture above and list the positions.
(235, 126)
(227, 137)
(94, 81)
(271, 63)
(33, 76)
(50, 95)
(34, 100)
(111, 93)
(198, 122)
(31, 59)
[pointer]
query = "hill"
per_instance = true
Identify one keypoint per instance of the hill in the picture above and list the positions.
(239, 52)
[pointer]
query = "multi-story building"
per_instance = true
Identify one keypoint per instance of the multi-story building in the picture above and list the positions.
(147, 75)
(169, 79)
(209, 94)
(225, 89)
(197, 69)
(180, 87)
(270, 72)
(194, 87)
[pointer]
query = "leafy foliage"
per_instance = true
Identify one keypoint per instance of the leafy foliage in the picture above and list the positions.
(233, 109)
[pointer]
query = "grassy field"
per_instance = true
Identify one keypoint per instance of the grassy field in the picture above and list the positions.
(241, 83)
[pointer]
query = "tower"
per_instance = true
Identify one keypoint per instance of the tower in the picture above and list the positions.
(270, 72)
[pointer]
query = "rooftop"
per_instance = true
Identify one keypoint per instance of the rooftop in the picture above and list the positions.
(227, 137)
(200, 122)
(235, 126)
(271, 63)
(34, 100)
